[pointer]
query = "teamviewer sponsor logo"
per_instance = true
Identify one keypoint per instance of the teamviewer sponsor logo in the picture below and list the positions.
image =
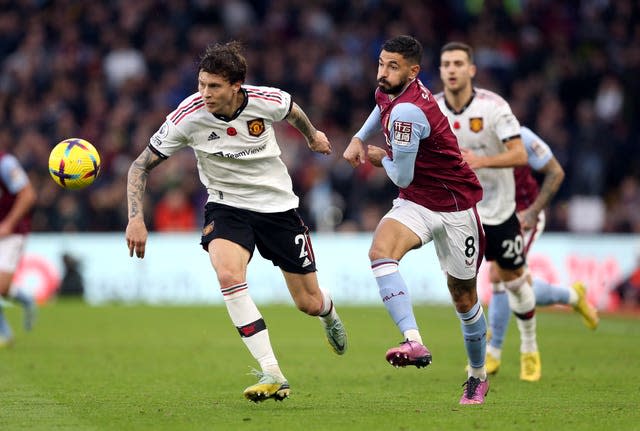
(243, 153)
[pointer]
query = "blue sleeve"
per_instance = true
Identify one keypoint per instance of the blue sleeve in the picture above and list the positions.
(538, 152)
(12, 174)
(407, 127)
(370, 126)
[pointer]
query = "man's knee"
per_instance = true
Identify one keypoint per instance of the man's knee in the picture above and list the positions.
(463, 293)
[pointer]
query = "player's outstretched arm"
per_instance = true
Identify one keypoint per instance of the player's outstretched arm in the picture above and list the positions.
(136, 233)
(316, 139)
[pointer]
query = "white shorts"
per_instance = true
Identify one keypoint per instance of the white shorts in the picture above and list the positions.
(458, 236)
(11, 248)
(531, 235)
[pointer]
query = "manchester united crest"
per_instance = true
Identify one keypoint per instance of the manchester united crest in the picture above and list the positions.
(256, 127)
(207, 229)
(475, 124)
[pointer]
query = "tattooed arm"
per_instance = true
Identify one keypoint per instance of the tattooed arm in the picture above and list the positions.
(316, 139)
(136, 233)
(553, 177)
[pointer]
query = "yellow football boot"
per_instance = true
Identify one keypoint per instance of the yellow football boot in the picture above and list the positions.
(268, 386)
(587, 311)
(530, 366)
(491, 363)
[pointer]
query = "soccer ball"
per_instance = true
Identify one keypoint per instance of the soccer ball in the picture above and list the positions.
(74, 163)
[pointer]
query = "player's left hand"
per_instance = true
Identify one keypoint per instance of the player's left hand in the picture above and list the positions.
(375, 155)
(474, 161)
(528, 219)
(136, 236)
(320, 143)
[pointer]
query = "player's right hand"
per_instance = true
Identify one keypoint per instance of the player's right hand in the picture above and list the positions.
(136, 236)
(320, 143)
(355, 152)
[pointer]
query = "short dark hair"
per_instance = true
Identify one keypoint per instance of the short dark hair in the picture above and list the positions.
(225, 60)
(407, 46)
(458, 46)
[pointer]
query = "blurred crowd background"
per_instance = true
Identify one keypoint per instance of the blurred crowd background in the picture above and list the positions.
(110, 71)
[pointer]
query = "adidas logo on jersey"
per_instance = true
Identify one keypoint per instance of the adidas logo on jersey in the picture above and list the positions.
(306, 262)
(213, 136)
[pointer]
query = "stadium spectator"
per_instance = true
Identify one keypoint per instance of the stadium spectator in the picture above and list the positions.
(174, 212)
(123, 63)
(72, 282)
(250, 204)
(626, 293)
(545, 57)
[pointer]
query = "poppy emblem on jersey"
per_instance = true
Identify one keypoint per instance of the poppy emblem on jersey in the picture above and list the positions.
(476, 124)
(231, 131)
(256, 127)
(207, 229)
(456, 125)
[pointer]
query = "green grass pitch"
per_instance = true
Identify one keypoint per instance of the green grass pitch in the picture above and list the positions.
(184, 368)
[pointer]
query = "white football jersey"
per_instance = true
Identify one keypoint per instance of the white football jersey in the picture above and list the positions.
(238, 158)
(483, 126)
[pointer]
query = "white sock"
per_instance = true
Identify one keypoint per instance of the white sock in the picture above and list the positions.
(522, 301)
(573, 296)
(250, 324)
(494, 351)
(478, 373)
(527, 329)
(25, 299)
(412, 335)
(328, 313)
